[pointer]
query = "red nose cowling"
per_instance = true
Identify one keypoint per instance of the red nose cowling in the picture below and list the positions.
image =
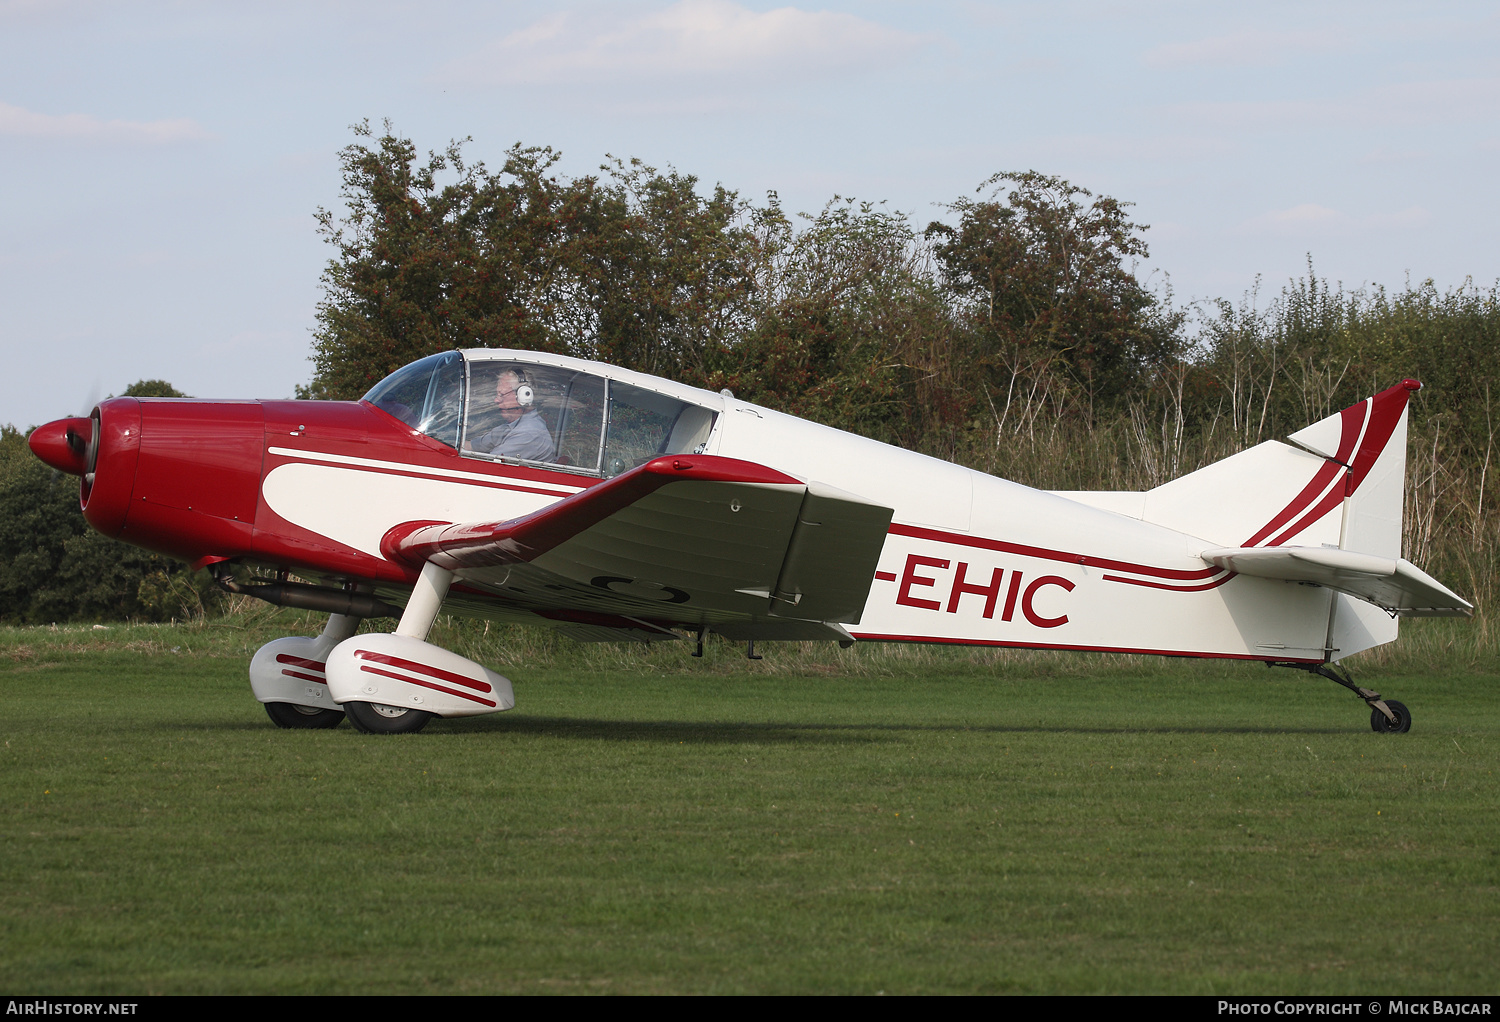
(178, 477)
(63, 443)
(182, 477)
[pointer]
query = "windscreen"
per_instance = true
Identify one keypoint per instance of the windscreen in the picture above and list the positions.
(426, 395)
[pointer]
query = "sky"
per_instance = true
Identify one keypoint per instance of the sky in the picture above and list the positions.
(161, 164)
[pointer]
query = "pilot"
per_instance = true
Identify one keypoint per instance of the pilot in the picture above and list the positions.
(521, 433)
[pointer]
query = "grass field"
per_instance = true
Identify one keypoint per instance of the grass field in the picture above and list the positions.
(649, 824)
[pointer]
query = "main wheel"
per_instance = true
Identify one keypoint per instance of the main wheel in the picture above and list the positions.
(296, 717)
(380, 719)
(1402, 724)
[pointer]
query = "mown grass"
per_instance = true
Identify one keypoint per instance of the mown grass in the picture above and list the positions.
(901, 821)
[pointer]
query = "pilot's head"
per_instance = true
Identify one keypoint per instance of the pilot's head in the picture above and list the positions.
(511, 395)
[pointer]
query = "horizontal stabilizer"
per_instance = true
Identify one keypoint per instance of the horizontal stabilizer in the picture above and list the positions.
(1393, 584)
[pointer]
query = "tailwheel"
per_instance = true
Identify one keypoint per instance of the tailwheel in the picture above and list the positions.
(380, 719)
(1396, 722)
(295, 717)
(1379, 722)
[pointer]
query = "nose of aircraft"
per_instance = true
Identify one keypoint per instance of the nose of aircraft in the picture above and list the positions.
(63, 444)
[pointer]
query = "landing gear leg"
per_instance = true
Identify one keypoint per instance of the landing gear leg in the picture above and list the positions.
(416, 621)
(1387, 716)
(288, 677)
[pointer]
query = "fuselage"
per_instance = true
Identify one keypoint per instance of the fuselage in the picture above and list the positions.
(312, 487)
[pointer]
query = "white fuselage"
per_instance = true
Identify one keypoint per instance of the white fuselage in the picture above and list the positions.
(969, 558)
(976, 559)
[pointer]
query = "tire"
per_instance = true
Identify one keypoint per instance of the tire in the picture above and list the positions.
(379, 719)
(295, 717)
(1380, 724)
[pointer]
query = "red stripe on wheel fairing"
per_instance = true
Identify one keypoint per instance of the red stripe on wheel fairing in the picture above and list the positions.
(302, 662)
(426, 684)
(304, 677)
(417, 667)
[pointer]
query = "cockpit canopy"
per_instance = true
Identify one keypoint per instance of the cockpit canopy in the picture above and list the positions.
(560, 416)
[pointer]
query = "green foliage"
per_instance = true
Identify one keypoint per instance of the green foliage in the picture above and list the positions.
(423, 268)
(849, 326)
(38, 517)
(636, 269)
(671, 282)
(151, 388)
(1043, 281)
(854, 320)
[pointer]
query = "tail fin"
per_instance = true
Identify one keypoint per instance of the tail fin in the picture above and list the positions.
(1339, 482)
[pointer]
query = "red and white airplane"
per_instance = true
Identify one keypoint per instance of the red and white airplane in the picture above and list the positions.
(612, 505)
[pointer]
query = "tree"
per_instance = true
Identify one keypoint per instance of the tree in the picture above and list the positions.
(151, 388)
(424, 267)
(674, 281)
(635, 268)
(1041, 267)
(849, 329)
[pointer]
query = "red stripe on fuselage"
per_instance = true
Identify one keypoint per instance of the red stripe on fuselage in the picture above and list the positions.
(497, 482)
(1170, 588)
(937, 535)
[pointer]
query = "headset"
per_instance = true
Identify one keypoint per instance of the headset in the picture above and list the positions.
(525, 395)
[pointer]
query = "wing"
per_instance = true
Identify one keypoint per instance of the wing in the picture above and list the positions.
(1391, 583)
(682, 541)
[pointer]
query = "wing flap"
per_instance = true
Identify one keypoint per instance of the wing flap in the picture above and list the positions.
(832, 556)
(1392, 583)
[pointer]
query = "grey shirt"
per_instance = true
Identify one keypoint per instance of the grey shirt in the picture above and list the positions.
(527, 438)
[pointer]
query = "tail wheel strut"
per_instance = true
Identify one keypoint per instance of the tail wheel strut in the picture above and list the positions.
(1386, 716)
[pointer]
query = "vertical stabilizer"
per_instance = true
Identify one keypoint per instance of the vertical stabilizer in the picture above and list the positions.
(1339, 482)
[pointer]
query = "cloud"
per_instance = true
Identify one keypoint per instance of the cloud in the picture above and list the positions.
(1310, 220)
(1244, 49)
(16, 122)
(705, 40)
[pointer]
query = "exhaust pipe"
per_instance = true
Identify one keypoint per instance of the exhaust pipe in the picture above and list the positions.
(308, 597)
